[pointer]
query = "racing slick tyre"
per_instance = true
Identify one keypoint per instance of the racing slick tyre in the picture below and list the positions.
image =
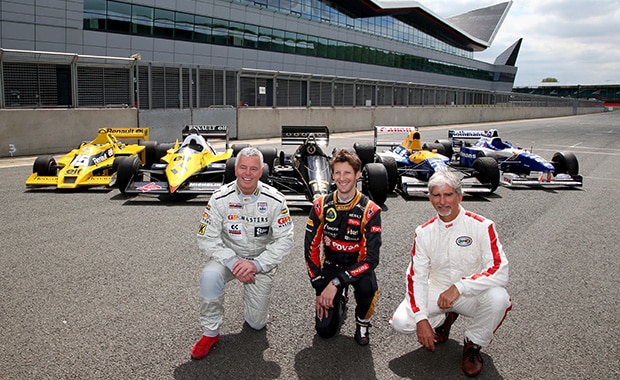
(269, 156)
(365, 151)
(236, 148)
(447, 146)
(150, 153)
(487, 171)
(161, 150)
(375, 182)
(229, 172)
(565, 162)
(265, 177)
(439, 148)
(127, 168)
(391, 167)
(45, 166)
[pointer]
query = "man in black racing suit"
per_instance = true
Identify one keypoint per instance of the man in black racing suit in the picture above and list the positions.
(347, 224)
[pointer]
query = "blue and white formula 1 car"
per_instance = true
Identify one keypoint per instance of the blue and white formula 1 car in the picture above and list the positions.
(518, 166)
(410, 163)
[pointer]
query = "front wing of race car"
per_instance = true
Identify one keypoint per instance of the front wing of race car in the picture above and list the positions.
(153, 181)
(540, 179)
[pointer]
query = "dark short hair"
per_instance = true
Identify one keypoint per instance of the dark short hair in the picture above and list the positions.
(343, 155)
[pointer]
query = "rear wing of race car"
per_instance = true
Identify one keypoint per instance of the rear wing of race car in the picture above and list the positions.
(126, 133)
(298, 134)
(207, 131)
(460, 134)
(391, 129)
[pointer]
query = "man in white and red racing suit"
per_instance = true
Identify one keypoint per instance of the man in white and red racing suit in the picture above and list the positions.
(349, 234)
(245, 231)
(458, 266)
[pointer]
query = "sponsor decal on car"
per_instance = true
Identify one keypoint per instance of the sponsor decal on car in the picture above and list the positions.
(149, 187)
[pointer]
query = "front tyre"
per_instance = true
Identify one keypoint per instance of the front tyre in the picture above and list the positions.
(127, 169)
(565, 162)
(45, 166)
(487, 171)
(375, 182)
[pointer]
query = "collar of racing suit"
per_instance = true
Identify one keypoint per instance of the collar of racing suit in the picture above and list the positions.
(350, 204)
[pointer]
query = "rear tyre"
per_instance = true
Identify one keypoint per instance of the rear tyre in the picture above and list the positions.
(162, 150)
(366, 152)
(150, 152)
(487, 171)
(439, 148)
(229, 173)
(375, 182)
(269, 157)
(127, 169)
(447, 146)
(565, 162)
(45, 166)
(236, 148)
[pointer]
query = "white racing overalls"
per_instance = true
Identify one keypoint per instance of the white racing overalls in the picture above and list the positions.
(234, 227)
(468, 254)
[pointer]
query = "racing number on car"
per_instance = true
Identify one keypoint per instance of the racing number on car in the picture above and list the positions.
(319, 186)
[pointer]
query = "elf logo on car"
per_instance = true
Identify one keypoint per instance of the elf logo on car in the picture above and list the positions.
(149, 187)
(73, 171)
(464, 241)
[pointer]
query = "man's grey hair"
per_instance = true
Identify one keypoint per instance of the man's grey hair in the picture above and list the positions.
(250, 151)
(445, 177)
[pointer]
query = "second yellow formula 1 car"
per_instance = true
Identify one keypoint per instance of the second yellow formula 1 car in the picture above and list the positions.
(191, 167)
(92, 163)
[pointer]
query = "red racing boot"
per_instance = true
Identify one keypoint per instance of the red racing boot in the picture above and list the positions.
(203, 346)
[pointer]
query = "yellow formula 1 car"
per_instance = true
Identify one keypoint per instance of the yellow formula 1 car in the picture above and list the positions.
(191, 167)
(94, 162)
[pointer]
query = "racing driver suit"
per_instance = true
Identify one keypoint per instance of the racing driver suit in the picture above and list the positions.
(350, 234)
(467, 253)
(235, 227)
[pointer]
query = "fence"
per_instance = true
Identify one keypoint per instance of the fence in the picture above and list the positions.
(33, 79)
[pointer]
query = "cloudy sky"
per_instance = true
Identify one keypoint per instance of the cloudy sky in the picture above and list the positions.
(574, 41)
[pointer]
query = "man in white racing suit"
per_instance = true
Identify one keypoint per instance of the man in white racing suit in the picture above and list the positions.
(458, 266)
(245, 231)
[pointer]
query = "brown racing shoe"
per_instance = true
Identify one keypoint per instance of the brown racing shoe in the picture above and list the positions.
(203, 346)
(472, 361)
(443, 332)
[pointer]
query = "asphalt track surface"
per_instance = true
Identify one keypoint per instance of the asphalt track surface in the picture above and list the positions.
(94, 285)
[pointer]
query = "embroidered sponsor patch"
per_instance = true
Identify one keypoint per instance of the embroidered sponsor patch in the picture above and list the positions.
(464, 241)
(235, 205)
(261, 207)
(261, 231)
(235, 231)
(202, 228)
(330, 214)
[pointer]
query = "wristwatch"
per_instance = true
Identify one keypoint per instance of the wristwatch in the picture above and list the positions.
(336, 282)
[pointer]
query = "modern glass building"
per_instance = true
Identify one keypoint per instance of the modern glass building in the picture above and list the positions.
(191, 53)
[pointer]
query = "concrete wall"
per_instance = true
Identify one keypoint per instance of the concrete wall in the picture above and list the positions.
(35, 132)
(42, 131)
(265, 122)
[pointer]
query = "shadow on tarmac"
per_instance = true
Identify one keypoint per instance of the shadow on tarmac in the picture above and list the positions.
(235, 356)
(338, 357)
(444, 363)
